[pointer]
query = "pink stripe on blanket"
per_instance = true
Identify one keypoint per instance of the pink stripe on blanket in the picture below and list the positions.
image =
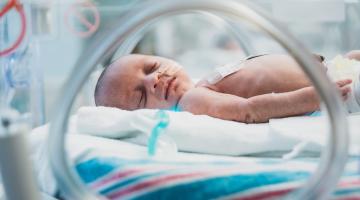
(153, 183)
(116, 177)
(126, 173)
(349, 183)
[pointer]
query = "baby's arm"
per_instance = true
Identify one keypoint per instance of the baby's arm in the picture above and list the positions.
(292, 103)
(256, 109)
(252, 110)
(285, 104)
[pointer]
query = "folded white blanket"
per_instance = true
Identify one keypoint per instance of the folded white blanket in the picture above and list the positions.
(191, 133)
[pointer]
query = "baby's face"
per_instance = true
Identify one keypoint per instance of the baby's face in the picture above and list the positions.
(150, 82)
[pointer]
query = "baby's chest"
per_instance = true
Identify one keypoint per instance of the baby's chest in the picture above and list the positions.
(243, 83)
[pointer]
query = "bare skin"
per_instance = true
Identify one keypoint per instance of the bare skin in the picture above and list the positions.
(270, 86)
(355, 54)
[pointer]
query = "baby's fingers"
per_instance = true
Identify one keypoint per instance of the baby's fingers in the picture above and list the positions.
(343, 82)
(345, 92)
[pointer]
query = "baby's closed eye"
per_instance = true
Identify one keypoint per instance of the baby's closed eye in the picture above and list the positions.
(150, 67)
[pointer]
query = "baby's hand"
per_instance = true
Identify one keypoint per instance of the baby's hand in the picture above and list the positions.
(344, 87)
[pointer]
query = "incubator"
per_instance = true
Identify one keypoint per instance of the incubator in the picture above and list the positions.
(99, 153)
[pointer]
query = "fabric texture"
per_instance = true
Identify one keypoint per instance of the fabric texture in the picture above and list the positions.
(253, 178)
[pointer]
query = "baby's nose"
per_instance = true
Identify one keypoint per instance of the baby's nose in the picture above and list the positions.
(151, 82)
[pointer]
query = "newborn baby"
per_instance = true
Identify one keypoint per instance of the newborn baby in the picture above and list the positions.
(254, 90)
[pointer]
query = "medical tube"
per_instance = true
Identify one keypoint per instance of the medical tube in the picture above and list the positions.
(333, 158)
(159, 142)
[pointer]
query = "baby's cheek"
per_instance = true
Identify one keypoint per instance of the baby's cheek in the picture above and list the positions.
(159, 89)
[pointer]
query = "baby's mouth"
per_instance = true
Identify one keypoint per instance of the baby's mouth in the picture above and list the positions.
(170, 82)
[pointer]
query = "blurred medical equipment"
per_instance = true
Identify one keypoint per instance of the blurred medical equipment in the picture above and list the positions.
(22, 79)
(14, 4)
(91, 27)
(221, 23)
(333, 158)
(22, 97)
(16, 170)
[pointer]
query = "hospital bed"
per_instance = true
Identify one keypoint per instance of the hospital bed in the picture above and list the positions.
(101, 169)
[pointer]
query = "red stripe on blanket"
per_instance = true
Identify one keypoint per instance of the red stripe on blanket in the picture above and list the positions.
(152, 183)
(117, 176)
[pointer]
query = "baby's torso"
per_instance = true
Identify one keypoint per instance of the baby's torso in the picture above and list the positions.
(256, 76)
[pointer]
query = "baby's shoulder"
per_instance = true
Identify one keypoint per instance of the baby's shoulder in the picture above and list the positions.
(194, 97)
(204, 84)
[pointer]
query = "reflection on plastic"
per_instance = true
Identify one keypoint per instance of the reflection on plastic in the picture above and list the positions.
(159, 143)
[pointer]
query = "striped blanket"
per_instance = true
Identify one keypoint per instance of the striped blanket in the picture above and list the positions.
(248, 179)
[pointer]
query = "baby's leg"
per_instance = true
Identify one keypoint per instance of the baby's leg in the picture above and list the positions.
(355, 54)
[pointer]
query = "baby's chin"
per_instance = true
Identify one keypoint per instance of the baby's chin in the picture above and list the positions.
(174, 104)
(175, 96)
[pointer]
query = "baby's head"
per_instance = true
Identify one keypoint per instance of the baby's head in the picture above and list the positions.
(140, 81)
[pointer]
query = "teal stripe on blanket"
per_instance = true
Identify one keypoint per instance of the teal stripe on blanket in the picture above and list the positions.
(222, 186)
(347, 191)
(93, 169)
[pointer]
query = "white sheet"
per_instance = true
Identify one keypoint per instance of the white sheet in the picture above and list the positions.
(204, 134)
(192, 133)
